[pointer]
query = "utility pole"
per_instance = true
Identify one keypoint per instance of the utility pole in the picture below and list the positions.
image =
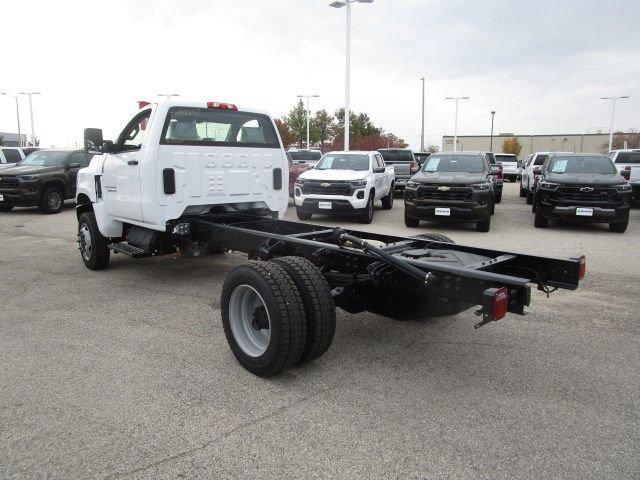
(307, 97)
(613, 114)
(33, 131)
(422, 128)
(15, 97)
(455, 128)
(491, 141)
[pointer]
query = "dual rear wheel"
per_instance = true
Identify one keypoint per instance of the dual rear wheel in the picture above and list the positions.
(277, 314)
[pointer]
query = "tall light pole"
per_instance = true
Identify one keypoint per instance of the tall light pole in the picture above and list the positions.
(455, 128)
(347, 79)
(613, 114)
(168, 95)
(493, 113)
(422, 128)
(15, 97)
(307, 97)
(33, 132)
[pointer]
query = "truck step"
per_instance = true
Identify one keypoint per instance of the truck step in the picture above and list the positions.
(124, 247)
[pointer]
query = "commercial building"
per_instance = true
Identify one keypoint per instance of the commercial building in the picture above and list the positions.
(11, 139)
(572, 142)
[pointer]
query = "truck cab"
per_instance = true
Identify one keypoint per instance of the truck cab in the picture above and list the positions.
(627, 162)
(178, 158)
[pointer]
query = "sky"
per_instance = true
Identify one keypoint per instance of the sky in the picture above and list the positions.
(541, 65)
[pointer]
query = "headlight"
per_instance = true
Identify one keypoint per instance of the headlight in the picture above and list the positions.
(480, 186)
(624, 187)
(300, 181)
(359, 183)
(29, 178)
(548, 185)
(412, 184)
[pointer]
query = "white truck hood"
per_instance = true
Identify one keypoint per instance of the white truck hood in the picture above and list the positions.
(334, 175)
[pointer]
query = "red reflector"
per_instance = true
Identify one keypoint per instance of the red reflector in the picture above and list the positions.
(222, 106)
(582, 270)
(500, 303)
(143, 103)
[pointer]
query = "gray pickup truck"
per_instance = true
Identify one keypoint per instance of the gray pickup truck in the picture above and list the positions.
(404, 163)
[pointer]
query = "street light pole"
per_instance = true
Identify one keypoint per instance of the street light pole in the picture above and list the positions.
(307, 97)
(33, 131)
(15, 97)
(455, 128)
(422, 128)
(613, 114)
(347, 79)
(168, 95)
(491, 141)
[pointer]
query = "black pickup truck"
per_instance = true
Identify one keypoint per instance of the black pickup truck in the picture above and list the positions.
(452, 186)
(582, 188)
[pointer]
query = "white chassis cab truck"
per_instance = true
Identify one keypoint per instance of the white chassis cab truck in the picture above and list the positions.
(345, 183)
(209, 177)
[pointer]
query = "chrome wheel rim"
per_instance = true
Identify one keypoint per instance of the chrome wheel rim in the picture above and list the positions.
(249, 320)
(54, 201)
(85, 241)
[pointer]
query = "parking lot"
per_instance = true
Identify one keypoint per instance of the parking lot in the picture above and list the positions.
(126, 373)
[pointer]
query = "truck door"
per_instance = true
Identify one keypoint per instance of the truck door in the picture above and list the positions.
(121, 175)
(380, 177)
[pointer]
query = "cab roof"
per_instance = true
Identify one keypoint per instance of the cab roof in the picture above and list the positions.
(200, 104)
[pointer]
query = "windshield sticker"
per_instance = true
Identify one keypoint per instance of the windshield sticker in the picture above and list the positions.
(559, 166)
(432, 165)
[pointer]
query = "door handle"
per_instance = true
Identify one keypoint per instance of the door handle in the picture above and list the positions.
(132, 162)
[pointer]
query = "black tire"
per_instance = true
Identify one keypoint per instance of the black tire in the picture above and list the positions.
(523, 192)
(302, 215)
(387, 200)
(284, 307)
(319, 307)
(619, 227)
(367, 215)
(437, 237)
(492, 207)
(484, 225)
(96, 256)
(410, 221)
(5, 208)
(498, 197)
(52, 200)
(539, 221)
(529, 197)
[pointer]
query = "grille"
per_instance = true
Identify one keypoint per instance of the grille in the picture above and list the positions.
(455, 193)
(8, 182)
(329, 188)
(598, 194)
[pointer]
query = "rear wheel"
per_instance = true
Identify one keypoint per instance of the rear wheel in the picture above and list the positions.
(367, 215)
(498, 197)
(318, 305)
(484, 225)
(302, 215)
(263, 317)
(619, 227)
(52, 200)
(529, 197)
(387, 200)
(410, 221)
(93, 246)
(523, 192)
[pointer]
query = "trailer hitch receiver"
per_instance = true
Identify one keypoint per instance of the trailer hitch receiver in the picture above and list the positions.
(495, 302)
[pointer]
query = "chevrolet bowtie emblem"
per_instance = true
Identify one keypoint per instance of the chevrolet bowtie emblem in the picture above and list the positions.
(443, 188)
(586, 189)
(325, 184)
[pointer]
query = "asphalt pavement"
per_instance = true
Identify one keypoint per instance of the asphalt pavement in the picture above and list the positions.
(125, 373)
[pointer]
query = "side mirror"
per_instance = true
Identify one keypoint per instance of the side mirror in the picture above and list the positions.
(626, 174)
(93, 143)
(379, 170)
(108, 147)
(495, 170)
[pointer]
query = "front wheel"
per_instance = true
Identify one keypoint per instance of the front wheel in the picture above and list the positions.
(6, 208)
(93, 246)
(302, 215)
(263, 317)
(529, 197)
(523, 192)
(484, 225)
(619, 227)
(52, 200)
(367, 215)
(540, 221)
(410, 221)
(498, 197)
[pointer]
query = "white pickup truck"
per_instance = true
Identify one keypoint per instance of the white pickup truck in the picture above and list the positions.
(345, 183)
(627, 162)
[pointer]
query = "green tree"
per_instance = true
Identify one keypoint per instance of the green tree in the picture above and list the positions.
(297, 122)
(287, 136)
(512, 145)
(322, 126)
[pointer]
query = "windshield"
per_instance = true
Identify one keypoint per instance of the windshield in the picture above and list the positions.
(506, 158)
(343, 161)
(595, 164)
(45, 159)
(454, 163)
(305, 155)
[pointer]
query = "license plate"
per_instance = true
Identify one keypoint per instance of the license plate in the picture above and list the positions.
(324, 205)
(443, 212)
(584, 212)
(1, 198)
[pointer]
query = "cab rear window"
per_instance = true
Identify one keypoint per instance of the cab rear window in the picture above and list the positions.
(628, 157)
(211, 127)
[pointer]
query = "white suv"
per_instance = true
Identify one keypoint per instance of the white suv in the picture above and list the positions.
(629, 161)
(345, 183)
